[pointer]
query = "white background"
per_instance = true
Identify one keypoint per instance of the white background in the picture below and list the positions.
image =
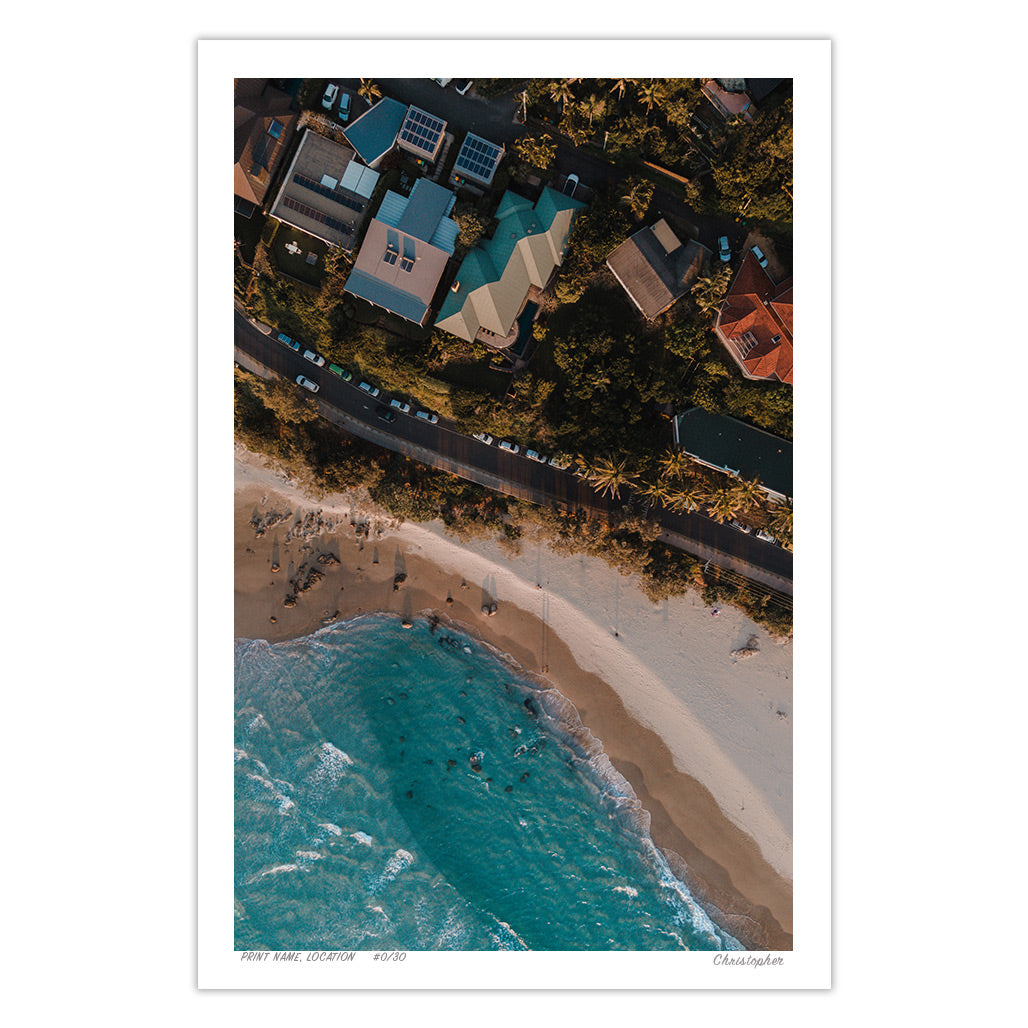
(101, 536)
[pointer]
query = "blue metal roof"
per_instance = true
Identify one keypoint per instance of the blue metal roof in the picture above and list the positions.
(374, 132)
(428, 204)
(382, 294)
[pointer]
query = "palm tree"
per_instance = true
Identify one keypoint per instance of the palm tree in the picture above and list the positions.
(750, 492)
(686, 496)
(560, 92)
(638, 197)
(722, 501)
(610, 474)
(657, 491)
(537, 152)
(709, 290)
(780, 523)
(369, 90)
(652, 93)
(674, 464)
(619, 85)
(593, 106)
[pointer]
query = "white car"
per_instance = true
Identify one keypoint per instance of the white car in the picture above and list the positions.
(513, 447)
(535, 455)
(483, 437)
(370, 389)
(560, 465)
(314, 358)
(463, 86)
(428, 416)
(759, 254)
(403, 408)
(442, 82)
(330, 96)
(571, 180)
(307, 383)
(724, 250)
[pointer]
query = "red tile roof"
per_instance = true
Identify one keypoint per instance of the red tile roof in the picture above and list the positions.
(756, 322)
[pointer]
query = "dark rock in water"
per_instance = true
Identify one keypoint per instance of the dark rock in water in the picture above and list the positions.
(410, 794)
(530, 706)
(524, 777)
(476, 767)
(451, 763)
(508, 788)
(461, 720)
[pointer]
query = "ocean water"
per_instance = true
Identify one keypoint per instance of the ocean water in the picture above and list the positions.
(406, 789)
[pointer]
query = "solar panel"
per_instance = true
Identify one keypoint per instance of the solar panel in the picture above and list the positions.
(421, 130)
(325, 191)
(310, 212)
(478, 158)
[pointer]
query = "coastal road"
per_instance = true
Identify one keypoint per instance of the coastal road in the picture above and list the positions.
(442, 446)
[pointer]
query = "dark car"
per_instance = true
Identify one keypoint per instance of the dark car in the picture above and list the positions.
(385, 413)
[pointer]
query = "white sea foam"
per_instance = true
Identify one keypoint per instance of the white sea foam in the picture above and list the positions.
(334, 829)
(361, 837)
(309, 855)
(278, 869)
(398, 862)
(627, 890)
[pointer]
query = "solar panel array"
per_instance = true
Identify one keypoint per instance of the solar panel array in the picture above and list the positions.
(478, 158)
(422, 131)
(329, 194)
(310, 212)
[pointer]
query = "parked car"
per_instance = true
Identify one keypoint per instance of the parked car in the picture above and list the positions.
(331, 92)
(513, 447)
(535, 455)
(291, 343)
(307, 383)
(571, 180)
(724, 249)
(463, 86)
(385, 413)
(369, 388)
(314, 358)
(344, 107)
(483, 437)
(403, 408)
(426, 415)
(442, 82)
(341, 372)
(560, 465)
(759, 254)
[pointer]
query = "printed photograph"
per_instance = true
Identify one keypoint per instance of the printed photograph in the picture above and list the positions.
(513, 494)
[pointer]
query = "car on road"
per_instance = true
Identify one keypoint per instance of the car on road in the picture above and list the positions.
(344, 107)
(341, 372)
(331, 92)
(571, 180)
(426, 415)
(483, 437)
(724, 250)
(463, 86)
(403, 408)
(385, 413)
(291, 343)
(307, 383)
(314, 358)
(369, 388)
(535, 455)
(512, 447)
(759, 254)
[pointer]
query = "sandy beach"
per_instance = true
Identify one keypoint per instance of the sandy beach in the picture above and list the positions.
(694, 711)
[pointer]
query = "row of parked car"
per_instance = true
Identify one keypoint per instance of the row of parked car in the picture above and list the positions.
(388, 412)
(725, 252)
(328, 100)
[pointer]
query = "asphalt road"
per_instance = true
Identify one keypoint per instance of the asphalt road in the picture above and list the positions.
(442, 445)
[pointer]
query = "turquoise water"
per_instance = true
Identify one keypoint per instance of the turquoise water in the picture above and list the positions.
(405, 789)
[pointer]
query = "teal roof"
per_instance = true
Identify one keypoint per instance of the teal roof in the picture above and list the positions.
(738, 448)
(382, 294)
(372, 134)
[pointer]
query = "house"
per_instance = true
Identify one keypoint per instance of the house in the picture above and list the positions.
(405, 251)
(264, 125)
(476, 162)
(655, 268)
(326, 191)
(728, 103)
(496, 278)
(421, 134)
(755, 323)
(738, 449)
(373, 134)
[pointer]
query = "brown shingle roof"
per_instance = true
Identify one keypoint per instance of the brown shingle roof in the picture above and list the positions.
(257, 153)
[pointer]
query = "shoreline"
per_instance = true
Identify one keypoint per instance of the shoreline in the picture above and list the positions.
(357, 555)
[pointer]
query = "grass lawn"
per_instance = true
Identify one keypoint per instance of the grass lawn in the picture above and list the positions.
(476, 375)
(295, 264)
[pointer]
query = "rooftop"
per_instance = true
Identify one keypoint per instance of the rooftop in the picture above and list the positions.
(373, 134)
